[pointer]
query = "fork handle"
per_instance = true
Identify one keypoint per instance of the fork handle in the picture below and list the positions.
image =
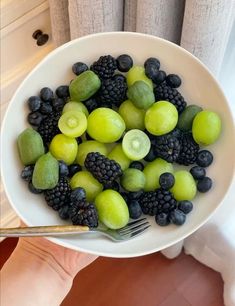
(35, 231)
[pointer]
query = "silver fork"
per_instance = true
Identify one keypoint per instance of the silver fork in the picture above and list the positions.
(131, 230)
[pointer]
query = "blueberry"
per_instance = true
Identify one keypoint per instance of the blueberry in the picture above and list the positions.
(177, 217)
(124, 62)
(79, 68)
(135, 210)
(35, 118)
(46, 108)
(160, 77)
(135, 195)
(74, 168)
(64, 212)
(151, 72)
(33, 189)
(204, 184)
(58, 104)
(137, 165)
(78, 194)
(34, 103)
(162, 219)
(173, 80)
(198, 172)
(204, 158)
(114, 186)
(62, 91)
(27, 173)
(185, 206)
(120, 77)
(125, 196)
(151, 155)
(46, 94)
(63, 168)
(166, 180)
(152, 61)
(91, 104)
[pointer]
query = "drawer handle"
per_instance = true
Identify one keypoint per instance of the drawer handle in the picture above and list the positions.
(40, 37)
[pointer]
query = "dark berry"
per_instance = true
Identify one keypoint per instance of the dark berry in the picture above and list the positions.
(159, 77)
(103, 169)
(173, 80)
(63, 168)
(125, 196)
(124, 62)
(58, 104)
(46, 94)
(177, 217)
(151, 72)
(162, 219)
(35, 118)
(79, 140)
(79, 68)
(27, 173)
(166, 93)
(91, 104)
(167, 147)
(204, 184)
(137, 165)
(114, 186)
(83, 213)
(152, 61)
(166, 180)
(62, 91)
(105, 66)
(74, 168)
(33, 189)
(120, 77)
(34, 103)
(88, 137)
(151, 155)
(64, 212)
(135, 195)
(46, 108)
(135, 210)
(78, 195)
(185, 206)
(48, 128)
(198, 172)
(188, 150)
(204, 158)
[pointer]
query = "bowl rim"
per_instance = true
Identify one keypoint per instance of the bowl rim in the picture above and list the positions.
(47, 58)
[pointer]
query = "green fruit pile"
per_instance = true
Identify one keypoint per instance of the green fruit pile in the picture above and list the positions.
(105, 146)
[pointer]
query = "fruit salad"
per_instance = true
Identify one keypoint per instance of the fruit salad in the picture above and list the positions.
(105, 148)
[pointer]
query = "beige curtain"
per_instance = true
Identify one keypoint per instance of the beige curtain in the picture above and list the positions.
(202, 26)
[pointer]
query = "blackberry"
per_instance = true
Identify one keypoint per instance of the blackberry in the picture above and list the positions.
(165, 92)
(188, 150)
(103, 169)
(112, 91)
(167, 147)
(49, 127)
(105, 66)
(58, 196)
(83, 213)
(156, 202)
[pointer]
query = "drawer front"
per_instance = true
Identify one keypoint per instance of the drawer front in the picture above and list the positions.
(17, 42)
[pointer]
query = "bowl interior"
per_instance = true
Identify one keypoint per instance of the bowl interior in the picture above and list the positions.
(198, 87)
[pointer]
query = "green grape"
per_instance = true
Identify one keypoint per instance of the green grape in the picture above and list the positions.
(137, 73)
(64, 148)
(73, 123)
(152, 172)
(89, 146)
(161, 118)
(119, 156)
(112, 209)
(86, 180)
(206, 127)
(133, 180)
(141, 95)
(133, 116)
(75, 106)
(136, 144)
(105, 125)
(184, 187)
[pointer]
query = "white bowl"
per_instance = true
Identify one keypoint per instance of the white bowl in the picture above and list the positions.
(199, 87)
